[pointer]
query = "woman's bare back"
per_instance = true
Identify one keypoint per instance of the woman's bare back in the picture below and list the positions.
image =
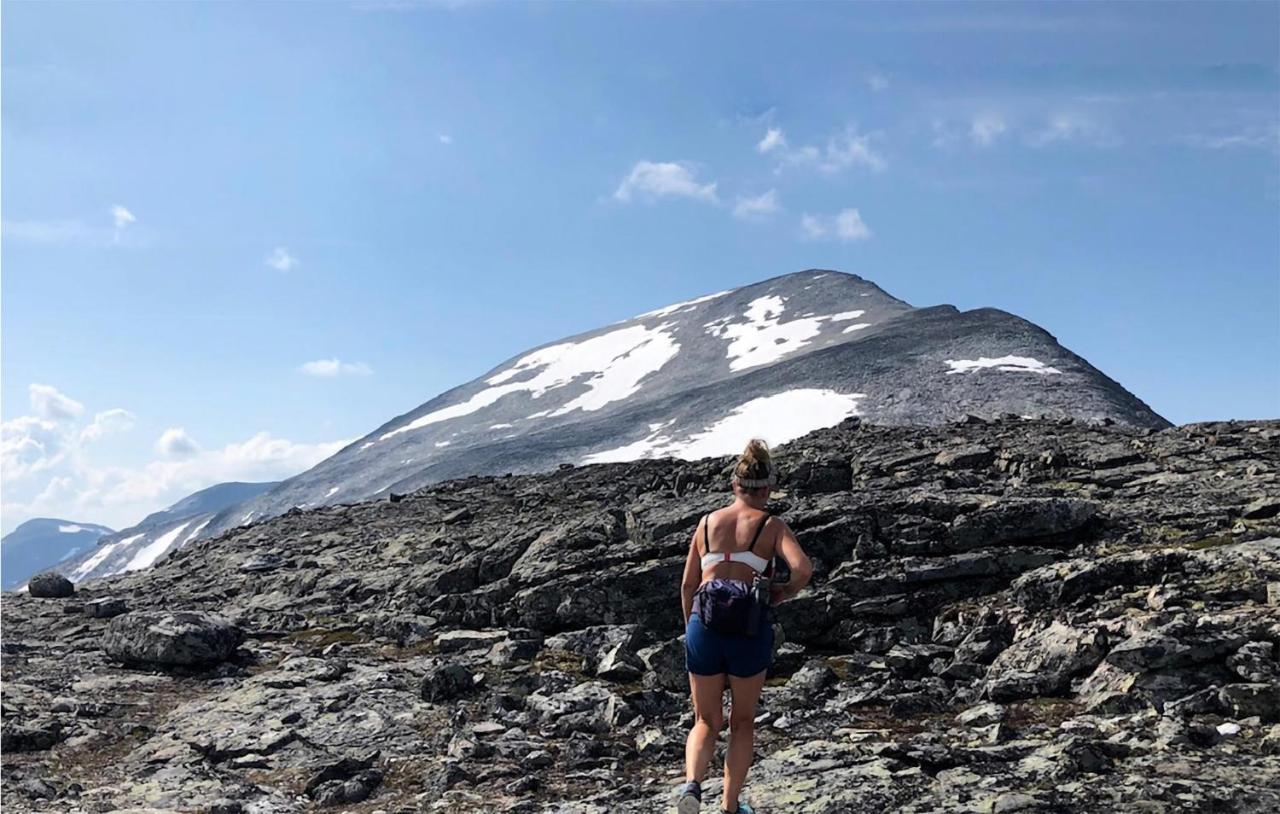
(732, 529)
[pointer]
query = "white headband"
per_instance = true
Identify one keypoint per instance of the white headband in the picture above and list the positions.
(755, 483)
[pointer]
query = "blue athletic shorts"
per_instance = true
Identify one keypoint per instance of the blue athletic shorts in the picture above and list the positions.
(707, 653)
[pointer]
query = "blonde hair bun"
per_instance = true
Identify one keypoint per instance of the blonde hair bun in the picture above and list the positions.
(755, 466)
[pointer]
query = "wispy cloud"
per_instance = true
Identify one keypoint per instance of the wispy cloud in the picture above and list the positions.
(107, 423)
(877, 81)
(774, 139)
(445, 138)
(281, 260)
(1072, 127)
(651, 180)
(49, 231)
(841, 152)
(75, 230)
(1253, 137)
(48, 402)
(332, 368)
(986, 128)
(760, 206)
(122, 217)
(846, 226)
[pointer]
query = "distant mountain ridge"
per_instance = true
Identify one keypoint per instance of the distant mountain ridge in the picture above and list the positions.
(140, 546)
(41, 543)
(776, 359)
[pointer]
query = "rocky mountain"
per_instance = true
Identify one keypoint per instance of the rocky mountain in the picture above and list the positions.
(159, 533)
(778, 358)
(42, 543)
(1006, 616)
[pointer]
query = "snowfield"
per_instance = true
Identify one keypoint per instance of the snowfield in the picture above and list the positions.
(148, 554)
(777, 419)
(100, 556)
(763, 338)
(616, 362)
(1013, 364)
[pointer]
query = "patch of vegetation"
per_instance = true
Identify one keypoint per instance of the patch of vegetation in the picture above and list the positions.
(1215, 541)
(322, 637)
(1047, 711)
(561, 660)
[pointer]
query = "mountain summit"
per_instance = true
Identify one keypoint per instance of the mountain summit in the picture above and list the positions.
(776, 359)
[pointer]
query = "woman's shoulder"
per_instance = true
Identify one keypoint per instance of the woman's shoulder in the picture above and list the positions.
(776, 524)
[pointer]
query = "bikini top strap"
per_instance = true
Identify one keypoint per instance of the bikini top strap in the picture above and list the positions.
(706, 543)
(763, 523)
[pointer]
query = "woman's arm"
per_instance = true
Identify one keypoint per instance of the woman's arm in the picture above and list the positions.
(692, 576)
(797, 560)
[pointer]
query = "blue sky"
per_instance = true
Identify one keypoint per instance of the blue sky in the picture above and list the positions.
(199, 199)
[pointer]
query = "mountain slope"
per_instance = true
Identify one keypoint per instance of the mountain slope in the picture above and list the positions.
(42, 543)
(776, 359)
(159, 532)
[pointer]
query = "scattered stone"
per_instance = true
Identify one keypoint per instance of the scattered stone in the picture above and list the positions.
(447, 682)
(104, 608)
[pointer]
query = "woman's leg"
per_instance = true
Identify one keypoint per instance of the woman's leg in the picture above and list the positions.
(708, 717)
(742, 719)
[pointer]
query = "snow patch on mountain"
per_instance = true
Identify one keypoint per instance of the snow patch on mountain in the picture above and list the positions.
(151, 552)
(1014, 364)
(99, 556)
(763, 338)
(681, 306)
(616, 360)
(71, 528)
(778, 418)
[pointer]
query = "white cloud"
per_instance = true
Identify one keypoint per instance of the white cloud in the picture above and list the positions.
(175, 443)
(652, 180)
(43, 231)
(757, 207)
(773, 139)
(47, 467)
(877, 82)
(841, 152)
(106, 423)
(846, 225)
(1072, 126)
(1251, 137)
(122, 217)
(47, 402)
(812, 227)
(332, 368)
(121, 496)
(29, 445)
(849, 226)
(75, 230)
(445, 138)
(281, 260)
(986, 128)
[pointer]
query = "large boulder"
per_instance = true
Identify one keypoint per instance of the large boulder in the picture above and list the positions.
(171, 638)
(1016, 520)
(50, 585)
(1045, 662)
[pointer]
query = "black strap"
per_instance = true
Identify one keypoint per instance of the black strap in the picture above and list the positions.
(763, 523)
(706, 544)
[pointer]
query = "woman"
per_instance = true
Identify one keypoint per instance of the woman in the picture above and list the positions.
(729, 549)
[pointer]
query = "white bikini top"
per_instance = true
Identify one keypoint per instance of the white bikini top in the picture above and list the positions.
(749, 557)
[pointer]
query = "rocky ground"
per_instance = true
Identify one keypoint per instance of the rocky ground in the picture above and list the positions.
(1006, 616)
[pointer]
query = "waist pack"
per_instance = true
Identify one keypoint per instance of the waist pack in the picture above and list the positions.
(732, 607)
